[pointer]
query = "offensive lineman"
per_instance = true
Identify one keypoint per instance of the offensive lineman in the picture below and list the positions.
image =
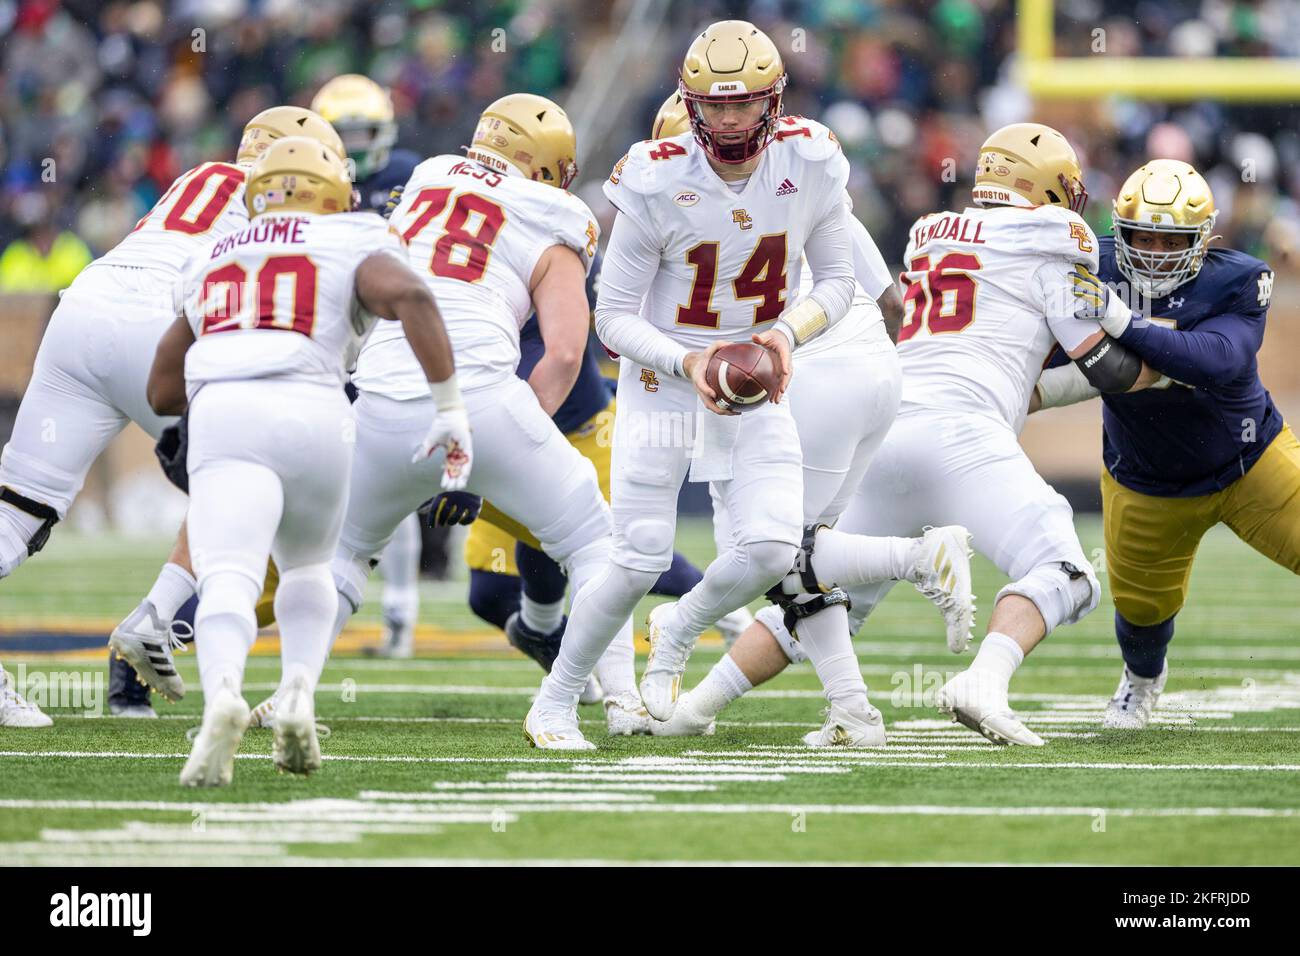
(90, 373)
(494, 235)
(988, 293)
(706, 245)
(270, 319)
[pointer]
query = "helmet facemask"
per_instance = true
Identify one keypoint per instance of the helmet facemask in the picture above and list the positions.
(1156, 274)
(757, 137)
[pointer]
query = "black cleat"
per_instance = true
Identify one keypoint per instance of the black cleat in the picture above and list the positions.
(543, 648)
(128, 696)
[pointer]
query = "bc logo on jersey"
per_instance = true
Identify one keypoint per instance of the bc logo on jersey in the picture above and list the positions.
(1079, 233)
(741, 218)
(650, 380)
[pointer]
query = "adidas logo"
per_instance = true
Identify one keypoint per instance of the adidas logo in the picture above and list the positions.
(786, 188)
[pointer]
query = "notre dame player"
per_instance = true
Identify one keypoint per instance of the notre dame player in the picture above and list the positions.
(1205, 446)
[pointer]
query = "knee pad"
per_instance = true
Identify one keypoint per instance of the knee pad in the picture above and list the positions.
(297, 583)
(647, 542)
(771, 560)
(350, 574)
(773, 618)
(24, 528)
(1062, 592)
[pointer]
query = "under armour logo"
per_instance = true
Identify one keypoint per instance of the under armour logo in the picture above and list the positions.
(1176, 302)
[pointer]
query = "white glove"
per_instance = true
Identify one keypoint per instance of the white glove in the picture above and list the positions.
(1095, 300)
(1064, 385)
(450, 430)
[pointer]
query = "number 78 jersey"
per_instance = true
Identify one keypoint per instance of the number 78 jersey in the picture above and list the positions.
(727, 261)
(475, 236)
(986, 296)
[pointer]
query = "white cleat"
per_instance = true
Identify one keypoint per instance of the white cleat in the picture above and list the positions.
(14, 710)
(849, 728)
(980, 703)
(296, 748)
(732, 625)
(662, 680)
(593, 693)
(212, 761)
(549, 730)
(146, 643)
(625, 716)
(1130, 708)
(263, 715)
(941, 571)
(134, 711)
(399, 639)
(686, 721)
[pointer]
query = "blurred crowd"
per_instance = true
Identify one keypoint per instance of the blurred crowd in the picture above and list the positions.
(103, 104)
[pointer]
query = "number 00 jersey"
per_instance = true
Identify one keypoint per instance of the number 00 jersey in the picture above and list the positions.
(476, 236)
(986, 296)
(278, 298)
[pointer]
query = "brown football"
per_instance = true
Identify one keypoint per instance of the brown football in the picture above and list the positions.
(742, 374)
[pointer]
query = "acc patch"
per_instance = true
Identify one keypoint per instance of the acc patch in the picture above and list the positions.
(686, 198)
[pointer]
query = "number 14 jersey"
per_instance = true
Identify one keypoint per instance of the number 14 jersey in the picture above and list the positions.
(986, 296)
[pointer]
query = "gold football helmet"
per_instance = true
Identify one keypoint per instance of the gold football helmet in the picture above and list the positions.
(530, 134)
(1165, 196)
(1029, 164)
(362, 112)
(281, 121)
(298, 174)
(672, 118)
(733, 62)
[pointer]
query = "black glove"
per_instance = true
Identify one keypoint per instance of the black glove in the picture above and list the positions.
(452, 507)
(172, 449)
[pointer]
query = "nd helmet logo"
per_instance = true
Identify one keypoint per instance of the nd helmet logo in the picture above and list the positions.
(742, 219)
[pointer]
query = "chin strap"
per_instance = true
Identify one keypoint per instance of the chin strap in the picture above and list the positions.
(49, 517)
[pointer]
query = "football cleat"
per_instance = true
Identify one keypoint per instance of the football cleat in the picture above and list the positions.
(732, 625)
(979, 701)
(146, 643)
(625, 716)
(662, 680)
(263, 715)
(549, 730)
(1130, 708)
(686, 721)
(941, 571)
(593, 693)
(14, 710)
(296, 748)
(849, 728)
(399, 639)
(128, 695)
(543, 648)
(212, 760)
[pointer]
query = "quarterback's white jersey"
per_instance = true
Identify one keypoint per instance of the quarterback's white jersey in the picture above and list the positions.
(202, 205)
(476, 236)
(279, 299)
(728, 261)
(872, 279)
(986, 296)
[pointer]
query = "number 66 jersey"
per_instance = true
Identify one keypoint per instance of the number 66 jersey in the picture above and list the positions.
(985, 298)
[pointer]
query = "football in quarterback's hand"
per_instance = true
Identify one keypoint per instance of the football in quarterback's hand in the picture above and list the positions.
(742, 375)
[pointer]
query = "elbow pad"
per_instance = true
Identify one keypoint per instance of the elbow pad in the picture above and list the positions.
(1109, 367)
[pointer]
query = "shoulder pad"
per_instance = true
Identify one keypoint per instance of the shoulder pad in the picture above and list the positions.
(640, 173)
(571, 223)
(1057, 231)
(810, 139)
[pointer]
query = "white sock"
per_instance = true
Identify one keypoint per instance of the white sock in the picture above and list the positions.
(225, 628)
(616, 669)
(998, 654)
(306, 605)
(542, 618)
(173, 588)
(825, 637)
(853, 560)
(724, 683)
(400, 566)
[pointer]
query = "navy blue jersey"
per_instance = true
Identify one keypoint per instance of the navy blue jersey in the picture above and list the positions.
(1205, 431)
(590, 394)
(375, 188)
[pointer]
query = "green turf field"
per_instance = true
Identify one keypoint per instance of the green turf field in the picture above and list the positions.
(426, 760)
